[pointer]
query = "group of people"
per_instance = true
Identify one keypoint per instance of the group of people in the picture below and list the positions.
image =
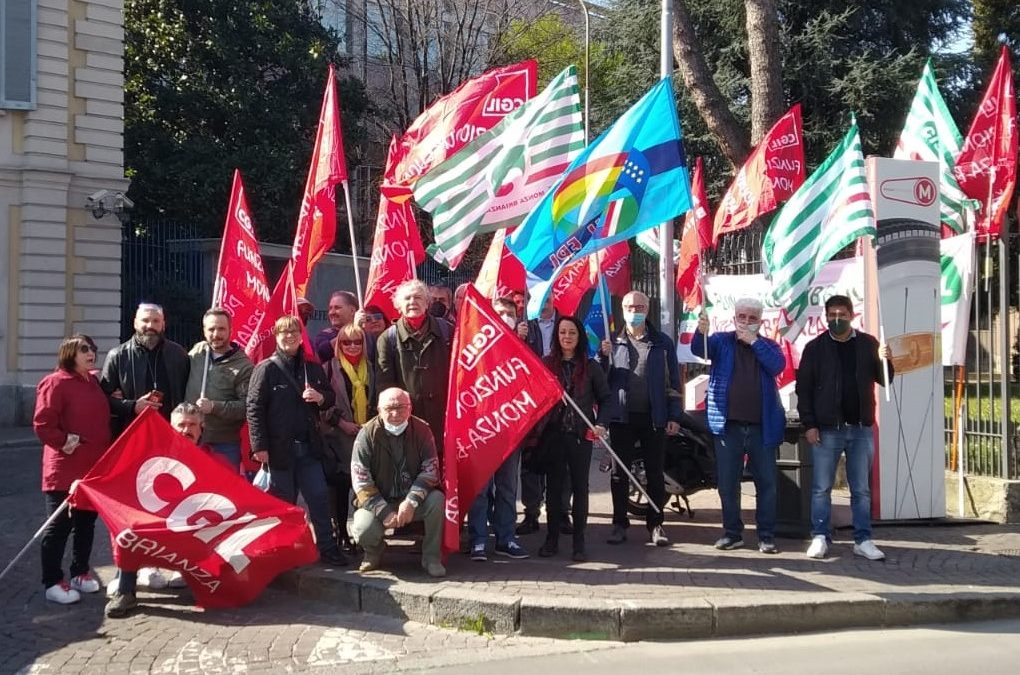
(364, 416)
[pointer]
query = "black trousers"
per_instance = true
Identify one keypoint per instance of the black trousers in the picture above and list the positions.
(624, 439)
(54, 539)
(339, 485)
(569, 464)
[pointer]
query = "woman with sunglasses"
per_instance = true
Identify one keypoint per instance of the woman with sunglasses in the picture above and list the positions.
(352, 376)
(72, 419)
(565, 441)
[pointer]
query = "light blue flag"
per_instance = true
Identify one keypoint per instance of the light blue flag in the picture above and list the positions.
(595, 321)
(631, 178)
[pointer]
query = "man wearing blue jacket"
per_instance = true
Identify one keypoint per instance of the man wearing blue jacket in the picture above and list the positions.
(645, 378)
(745, 417)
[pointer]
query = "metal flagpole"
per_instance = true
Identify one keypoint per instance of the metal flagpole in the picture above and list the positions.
(666, 290)
(36, 536)
(587, 64)
(354, 245)
(612, 453)
(205, 370)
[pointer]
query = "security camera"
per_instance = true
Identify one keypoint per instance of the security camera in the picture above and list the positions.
(121, 203)
(96, 199)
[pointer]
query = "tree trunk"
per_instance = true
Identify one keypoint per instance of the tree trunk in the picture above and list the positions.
(766, 66)
(727, 131)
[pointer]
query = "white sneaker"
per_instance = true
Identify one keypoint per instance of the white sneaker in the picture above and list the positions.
(62, 593)
(85, 583)
(113, 587)
(818, 548)
(176, 580)
(867, 549)
(152, 577)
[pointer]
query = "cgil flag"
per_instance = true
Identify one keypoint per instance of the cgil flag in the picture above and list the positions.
(694, 241)
(830, 211)
(930, 135)
(772, 173)
(494, 181)
(316, 228)
(498, 390)
(240, 286)
(631, 178)
(986, 166)
(501, 273)
(580, 276)
(169, 504)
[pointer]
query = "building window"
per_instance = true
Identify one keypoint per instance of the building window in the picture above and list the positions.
(18, 52)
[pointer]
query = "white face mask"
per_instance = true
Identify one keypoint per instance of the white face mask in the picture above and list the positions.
(509, 321)
(395, 429)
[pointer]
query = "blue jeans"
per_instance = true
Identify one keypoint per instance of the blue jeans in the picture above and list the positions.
(859, 445)
(502, 490)
(739, 439)
(305, 476)
(230, 452)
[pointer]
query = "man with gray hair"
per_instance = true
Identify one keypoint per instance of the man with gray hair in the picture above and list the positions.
(147, 371)
(745, 417)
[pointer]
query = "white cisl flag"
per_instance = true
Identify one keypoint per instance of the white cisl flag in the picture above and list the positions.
(957, 289)
(240, 285)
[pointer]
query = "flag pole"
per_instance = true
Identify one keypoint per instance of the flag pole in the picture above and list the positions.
(35, 537)
(881, 339)
(666, 291)
(988, 227)
(607, 309)
(612, 453)
(205, 370)
(354, 245)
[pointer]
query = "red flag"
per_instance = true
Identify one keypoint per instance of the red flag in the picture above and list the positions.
(458, 118)
(498, 390)
(241, 286)
(396, 245)
(169, 504)
(693, 241)
(316, 228)
(615, 266)
(986, 167)
(769, 177)
(283, 302)
(501, 273)
(580, 276)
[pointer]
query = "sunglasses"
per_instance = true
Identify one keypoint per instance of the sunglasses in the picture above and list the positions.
(375, 317)
(350, 343)
(85, 349)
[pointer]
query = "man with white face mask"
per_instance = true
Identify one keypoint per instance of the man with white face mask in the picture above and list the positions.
(395, 475)
(745, 417)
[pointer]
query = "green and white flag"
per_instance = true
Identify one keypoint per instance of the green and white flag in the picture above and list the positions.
(930, 134)
(831, 210)
(957, 255)
(648, 240)
(495, 180)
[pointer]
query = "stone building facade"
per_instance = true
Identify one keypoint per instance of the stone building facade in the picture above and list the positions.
(61, 142)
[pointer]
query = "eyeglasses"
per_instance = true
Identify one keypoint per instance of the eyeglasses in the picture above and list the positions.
(351, 343)
(289, 333)
(85, 349)
(375, 317)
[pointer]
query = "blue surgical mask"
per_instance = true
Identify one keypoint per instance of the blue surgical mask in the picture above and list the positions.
(395, 429)
(634, 319)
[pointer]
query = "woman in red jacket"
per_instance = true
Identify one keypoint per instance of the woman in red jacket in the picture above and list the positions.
(72, 419)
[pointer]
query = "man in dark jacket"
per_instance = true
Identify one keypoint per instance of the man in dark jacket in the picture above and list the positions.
(147, 371)
(645, 377)
(285, 395)
(414, 355)
(342, 308)
(745, 417)
(218, 385)
(836, 401)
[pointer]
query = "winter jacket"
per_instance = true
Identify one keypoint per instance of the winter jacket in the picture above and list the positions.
(69, 403)
(127, 368)
(382, 479)
(419, 367)
(721, 350)
(663, 377)
(820, 381)
(591, 392)
(226, 386)
(534, 338)
(277, 415)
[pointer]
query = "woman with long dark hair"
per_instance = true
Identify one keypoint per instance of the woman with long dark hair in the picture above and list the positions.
(565, 442)
(72, 419)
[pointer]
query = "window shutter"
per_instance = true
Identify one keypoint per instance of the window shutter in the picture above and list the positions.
(17, 54)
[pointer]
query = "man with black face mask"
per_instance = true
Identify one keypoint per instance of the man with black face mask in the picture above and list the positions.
(441, 303)
(745, 417)
(836, 401)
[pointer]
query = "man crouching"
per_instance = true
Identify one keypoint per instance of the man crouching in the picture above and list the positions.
(395, 474)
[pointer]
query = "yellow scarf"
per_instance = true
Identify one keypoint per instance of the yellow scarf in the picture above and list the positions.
(359, 387)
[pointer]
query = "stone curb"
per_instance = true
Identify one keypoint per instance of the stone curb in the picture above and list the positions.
(446, 604)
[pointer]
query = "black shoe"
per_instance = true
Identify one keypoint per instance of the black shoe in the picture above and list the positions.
(334, 558)
(528, 526)
(549, 548)
(348, 546)
(120, 605)
(618, 536)
(566, 527)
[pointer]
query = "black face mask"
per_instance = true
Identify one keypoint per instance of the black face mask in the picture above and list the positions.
(438, 309)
